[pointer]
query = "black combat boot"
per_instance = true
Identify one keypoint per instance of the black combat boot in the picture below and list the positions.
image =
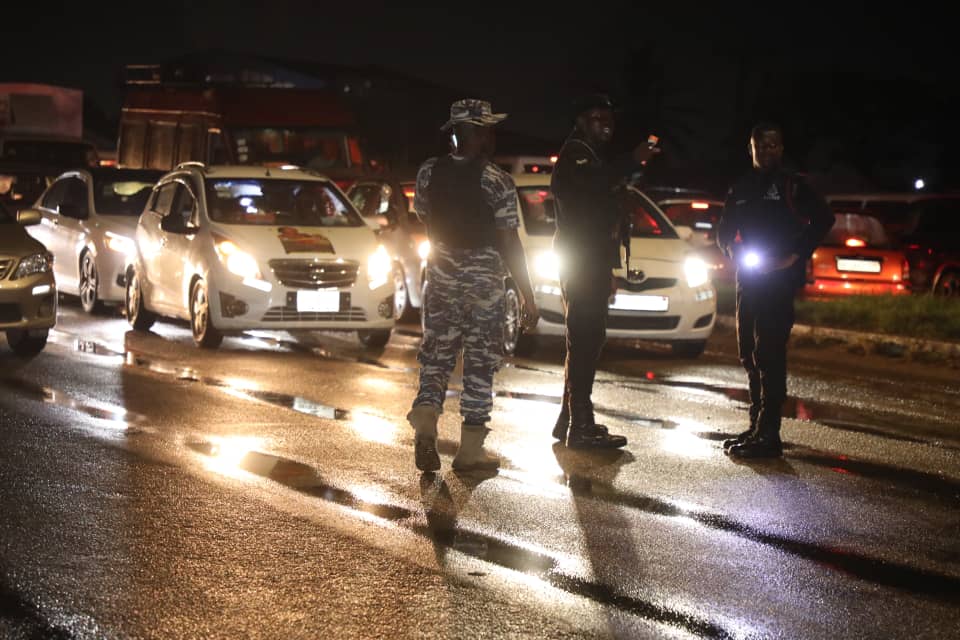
(763, 443)
(743, 436)
(586, 434)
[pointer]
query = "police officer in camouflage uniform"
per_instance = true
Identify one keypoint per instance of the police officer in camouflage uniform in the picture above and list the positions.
(470, 208)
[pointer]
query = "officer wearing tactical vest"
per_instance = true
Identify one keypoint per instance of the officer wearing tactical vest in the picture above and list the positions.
(470, 208)
(771, 223)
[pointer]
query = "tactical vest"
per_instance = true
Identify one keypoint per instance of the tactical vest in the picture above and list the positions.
(460, 217)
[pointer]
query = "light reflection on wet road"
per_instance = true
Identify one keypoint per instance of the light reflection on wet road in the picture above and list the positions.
(352, 398)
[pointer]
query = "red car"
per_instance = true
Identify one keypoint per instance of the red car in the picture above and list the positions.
(857, 258)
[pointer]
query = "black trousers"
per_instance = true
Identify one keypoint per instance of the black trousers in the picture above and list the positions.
(585, 298)
(765, 316)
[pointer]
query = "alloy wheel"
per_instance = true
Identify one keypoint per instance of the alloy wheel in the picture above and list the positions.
(88, 283)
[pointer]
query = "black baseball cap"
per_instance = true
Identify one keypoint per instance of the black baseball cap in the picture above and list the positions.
(591, 101)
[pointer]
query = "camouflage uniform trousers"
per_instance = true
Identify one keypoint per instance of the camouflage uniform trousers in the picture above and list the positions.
(463, 311)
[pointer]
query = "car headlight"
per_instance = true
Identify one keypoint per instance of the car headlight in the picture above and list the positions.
(547, 265)
(379, 266)
(120, 244)
(34, 264)
(423, 249)
(696, 271)
(237, 262)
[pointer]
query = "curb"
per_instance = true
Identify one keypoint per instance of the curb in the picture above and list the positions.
(882, 343)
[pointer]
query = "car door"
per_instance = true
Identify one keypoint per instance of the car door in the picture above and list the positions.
(70, 233)
(49, 207)
(180, 225)
(151, 242)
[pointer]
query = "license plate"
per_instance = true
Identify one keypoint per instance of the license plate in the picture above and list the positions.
(318, 301)
(858, 265)
(640, 303)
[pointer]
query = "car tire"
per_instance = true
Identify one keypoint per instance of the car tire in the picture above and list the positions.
(27, 342)
(688, 348)
(374, 338)
(948, 284)
(89, 284)
(137, 315)
(515, 341)
(402, 310)
(205, 334)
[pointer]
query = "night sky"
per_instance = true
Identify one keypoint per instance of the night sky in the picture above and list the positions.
(866, 95)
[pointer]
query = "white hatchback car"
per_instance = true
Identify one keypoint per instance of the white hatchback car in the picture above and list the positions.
(87, 220)
(233, 248)
(664, 294)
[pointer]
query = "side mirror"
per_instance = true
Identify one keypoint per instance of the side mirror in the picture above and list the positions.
(684, 232)
(28, 217)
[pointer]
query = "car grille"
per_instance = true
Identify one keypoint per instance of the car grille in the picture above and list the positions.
(646, 285)
(6, 264)
(313, 274)
(9, 313)
(290, 314)
(643, 323)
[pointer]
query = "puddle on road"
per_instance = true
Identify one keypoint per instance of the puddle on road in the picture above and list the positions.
(119, 416)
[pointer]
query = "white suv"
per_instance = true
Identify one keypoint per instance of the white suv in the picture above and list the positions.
(664, 294)
(232, 248)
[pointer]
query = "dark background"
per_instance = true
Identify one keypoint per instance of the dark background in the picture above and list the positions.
(867, 96)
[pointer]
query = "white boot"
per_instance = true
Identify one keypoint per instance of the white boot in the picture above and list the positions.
(471, 454)
(423, 418)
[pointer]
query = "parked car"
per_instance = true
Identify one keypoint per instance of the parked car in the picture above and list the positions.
(702, 215)
(87, 220)
(857, 258)
(386, 206)
(28, 291)
(931, 241)
(232, 248)
(663, 294)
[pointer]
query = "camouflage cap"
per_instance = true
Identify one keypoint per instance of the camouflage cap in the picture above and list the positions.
(472, 111)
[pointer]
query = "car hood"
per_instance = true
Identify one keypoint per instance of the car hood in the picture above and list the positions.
(350, 243)
(16, 242)
(660, 249)
(124, 225)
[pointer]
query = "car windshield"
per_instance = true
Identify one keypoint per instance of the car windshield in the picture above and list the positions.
(700, 215)
(850, 227)
(253, 201)
(22, 188)
(314, 148)
(121, 197)
(538, 208)
(648, 221)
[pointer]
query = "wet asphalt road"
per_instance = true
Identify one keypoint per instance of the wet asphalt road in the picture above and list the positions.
(267, 490)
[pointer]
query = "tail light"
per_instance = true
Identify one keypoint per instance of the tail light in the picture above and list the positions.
(855, 242)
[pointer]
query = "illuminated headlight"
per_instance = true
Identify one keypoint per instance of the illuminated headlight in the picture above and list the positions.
(751, 259)
(34, 264)
(120, 244)
(696, 271)
(237, 262)
(379, 266)
(547, 265)
(423, 249)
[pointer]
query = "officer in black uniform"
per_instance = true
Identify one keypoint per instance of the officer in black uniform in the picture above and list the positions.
(584, 185)
(771, 223)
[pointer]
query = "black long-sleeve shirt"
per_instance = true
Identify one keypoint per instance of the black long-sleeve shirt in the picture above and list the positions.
(775, 214)
(588, 208)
